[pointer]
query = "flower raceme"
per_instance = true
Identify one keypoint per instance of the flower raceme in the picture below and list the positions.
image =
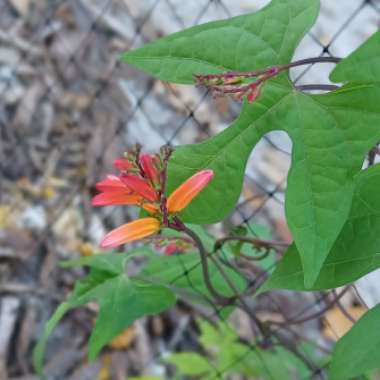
(140, 182)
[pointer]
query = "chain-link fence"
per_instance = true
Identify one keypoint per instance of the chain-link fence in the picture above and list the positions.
(68, 107)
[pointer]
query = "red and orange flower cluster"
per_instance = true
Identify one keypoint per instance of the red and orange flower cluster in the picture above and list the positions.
(141, 182)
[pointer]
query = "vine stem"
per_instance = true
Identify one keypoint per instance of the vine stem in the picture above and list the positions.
(258, 243)
(166, 152)
(323, 87)
(275, 69)
(220, 298)
(265, 328)
(308, 61)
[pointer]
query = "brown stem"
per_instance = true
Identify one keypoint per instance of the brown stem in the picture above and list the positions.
(265, 328)
(220, 298)
(261, 326)
(260, 244)
(322, 87)
(166, 152)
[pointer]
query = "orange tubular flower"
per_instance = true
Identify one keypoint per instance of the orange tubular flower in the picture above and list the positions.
(135, 230)
(141, 183)
(184, 194)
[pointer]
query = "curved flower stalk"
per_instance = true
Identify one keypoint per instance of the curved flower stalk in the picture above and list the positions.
(141, 182)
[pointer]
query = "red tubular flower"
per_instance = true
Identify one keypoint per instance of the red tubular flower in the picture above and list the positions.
(140, 186)
(186, 192)
(111, 183)
(147, 164)
(171, 249)
(144, 188)
(122, 164)
(126, 233)
(116, 198)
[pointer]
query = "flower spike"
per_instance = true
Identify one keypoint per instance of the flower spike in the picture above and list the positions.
(135, 230)
(141, 182)
(185, 193)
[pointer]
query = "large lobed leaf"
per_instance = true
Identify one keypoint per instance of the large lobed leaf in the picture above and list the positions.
(356, 251)
(331, 133)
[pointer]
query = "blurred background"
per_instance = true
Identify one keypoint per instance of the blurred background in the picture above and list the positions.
(68, 107)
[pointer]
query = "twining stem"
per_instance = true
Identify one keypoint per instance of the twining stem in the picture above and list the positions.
(265, 328)
(220, 298)
(260, 244)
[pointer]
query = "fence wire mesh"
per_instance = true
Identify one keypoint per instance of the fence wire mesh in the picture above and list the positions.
(67, 108)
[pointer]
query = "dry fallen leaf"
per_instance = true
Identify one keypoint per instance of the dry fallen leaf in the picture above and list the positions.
(124, 340)
(337, 324)
(85, 249)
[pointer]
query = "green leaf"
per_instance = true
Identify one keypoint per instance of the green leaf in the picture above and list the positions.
(108, 262)
(231, 356)
(121, 301)
(38, 353)
(185, 272)
(362, 65)
(358, 351)
(240, 43)
(190, 364)
(356, 251)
